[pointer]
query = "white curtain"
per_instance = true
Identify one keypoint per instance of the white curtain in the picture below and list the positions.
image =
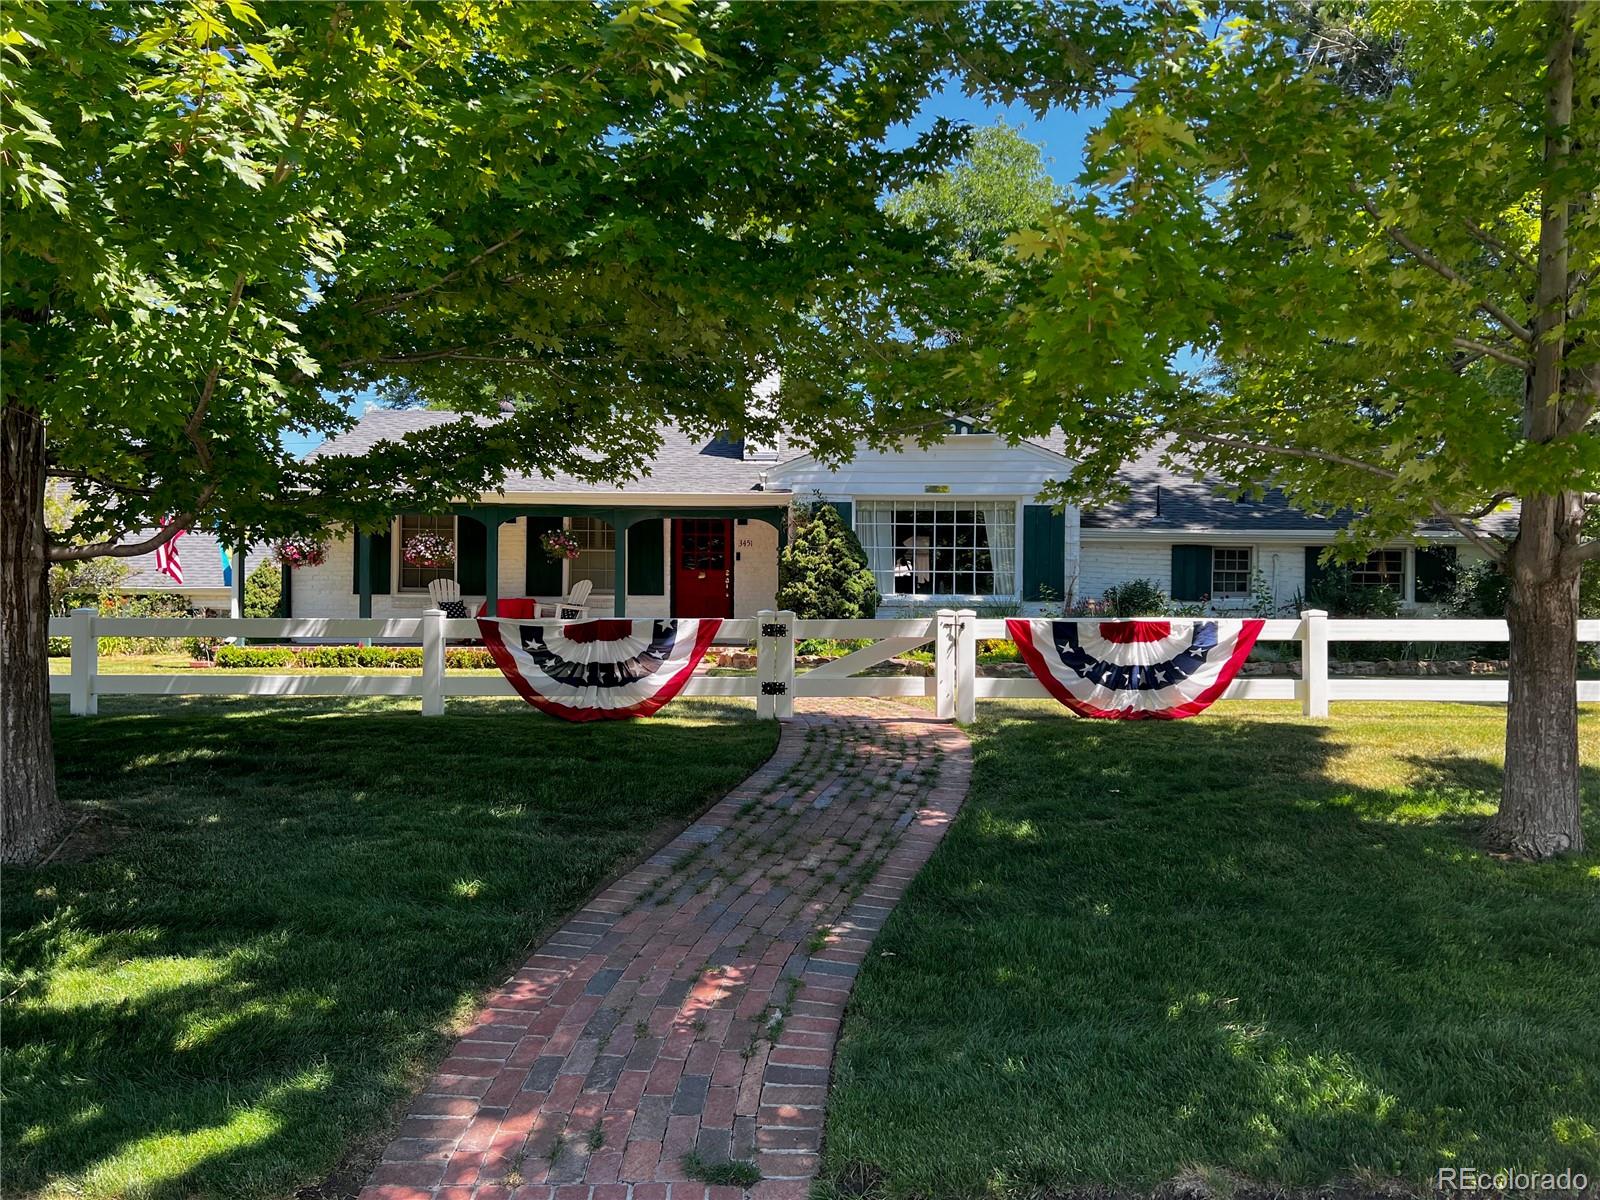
(1000, 523)
(875, 527)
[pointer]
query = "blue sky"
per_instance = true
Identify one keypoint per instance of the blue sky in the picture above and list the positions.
(1061, 133)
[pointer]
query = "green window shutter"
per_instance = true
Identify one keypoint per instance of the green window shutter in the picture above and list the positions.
(1044, 553)
(472, 554)
(646, 560)
(1314, 571)
(846, 511)
(1436, 569)
(1191, 573)
(378, 546)
(541, 573)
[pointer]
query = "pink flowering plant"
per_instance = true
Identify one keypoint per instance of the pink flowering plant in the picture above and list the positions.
(300, 552)
(558, 544)
(430, 550)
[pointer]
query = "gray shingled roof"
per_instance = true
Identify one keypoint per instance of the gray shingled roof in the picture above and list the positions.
(197, 552)
(683, 464)
(1186, 505)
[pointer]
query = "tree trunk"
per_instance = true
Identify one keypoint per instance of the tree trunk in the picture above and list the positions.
(1539, 813)
(31, 816)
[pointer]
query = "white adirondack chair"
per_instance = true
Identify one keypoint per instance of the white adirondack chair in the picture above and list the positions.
(446, 594)
(574, 606)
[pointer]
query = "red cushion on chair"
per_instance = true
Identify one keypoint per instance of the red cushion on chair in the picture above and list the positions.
(512, 606)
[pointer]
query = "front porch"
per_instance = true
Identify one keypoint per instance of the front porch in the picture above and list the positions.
(682, 559)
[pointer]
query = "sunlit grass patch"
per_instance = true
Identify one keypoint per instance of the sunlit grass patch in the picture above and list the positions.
(1246, 947)
(302, 899)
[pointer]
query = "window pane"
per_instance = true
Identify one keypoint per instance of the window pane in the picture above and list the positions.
(1230, 571)
(936, 547)
(1383, 568)
(417, 579)
(596, 561)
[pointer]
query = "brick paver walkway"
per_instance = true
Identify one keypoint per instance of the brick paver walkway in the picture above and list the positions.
(693, 1005)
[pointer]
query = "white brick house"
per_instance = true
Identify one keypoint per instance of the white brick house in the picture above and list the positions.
(955, 524)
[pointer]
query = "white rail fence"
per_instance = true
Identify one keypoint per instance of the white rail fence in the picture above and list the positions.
(954, 685)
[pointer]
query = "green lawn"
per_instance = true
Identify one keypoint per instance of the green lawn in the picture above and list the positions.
(290, 904)
(170, 664)
(1246, 945)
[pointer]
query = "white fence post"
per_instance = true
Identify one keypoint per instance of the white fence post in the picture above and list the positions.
(785, 670)
(966, 664)
(81, 700)
(1314, 662)
(766, 665)
(433, 662)
(944, 664)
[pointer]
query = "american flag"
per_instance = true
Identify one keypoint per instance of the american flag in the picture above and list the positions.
(167, 556)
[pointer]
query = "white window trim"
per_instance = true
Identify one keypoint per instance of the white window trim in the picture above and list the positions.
(1408, 572)
(891, 599)
(395, 549)
(1249, 575)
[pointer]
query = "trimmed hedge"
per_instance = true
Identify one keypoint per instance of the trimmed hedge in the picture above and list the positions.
(400, 658)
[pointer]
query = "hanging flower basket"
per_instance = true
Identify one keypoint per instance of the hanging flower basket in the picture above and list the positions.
(559, 544)
(429, 550)
(300, 552)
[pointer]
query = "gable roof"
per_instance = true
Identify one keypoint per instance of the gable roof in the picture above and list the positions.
(1161, 499)
(683, 464)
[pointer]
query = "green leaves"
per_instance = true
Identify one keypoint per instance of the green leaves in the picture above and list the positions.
(1342, 220)
(218, 218)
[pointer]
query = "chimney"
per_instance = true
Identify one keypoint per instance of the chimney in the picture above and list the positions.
(763, 404)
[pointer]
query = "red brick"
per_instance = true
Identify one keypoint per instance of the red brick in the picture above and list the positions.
(639, 1160)
(788, 1114)
(433, 1127)
(781, 1189)
(410, 1174)
(790, 1056)
(664, 1078)
(681, 1133)
(462, 1169)
(718, 1110)
(605, 1166)
(630, 1087)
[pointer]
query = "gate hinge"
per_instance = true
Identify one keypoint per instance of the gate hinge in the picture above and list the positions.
(775, 629)
(774, 689)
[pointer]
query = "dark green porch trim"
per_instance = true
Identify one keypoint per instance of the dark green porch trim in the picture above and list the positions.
(364, 573)
(619, 518)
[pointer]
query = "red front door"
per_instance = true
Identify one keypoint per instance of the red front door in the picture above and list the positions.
(702, 568)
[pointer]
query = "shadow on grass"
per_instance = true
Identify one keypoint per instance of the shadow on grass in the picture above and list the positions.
(305, 896)
(1253, 943)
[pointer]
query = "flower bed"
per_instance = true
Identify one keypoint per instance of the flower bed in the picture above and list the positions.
(400, 658)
